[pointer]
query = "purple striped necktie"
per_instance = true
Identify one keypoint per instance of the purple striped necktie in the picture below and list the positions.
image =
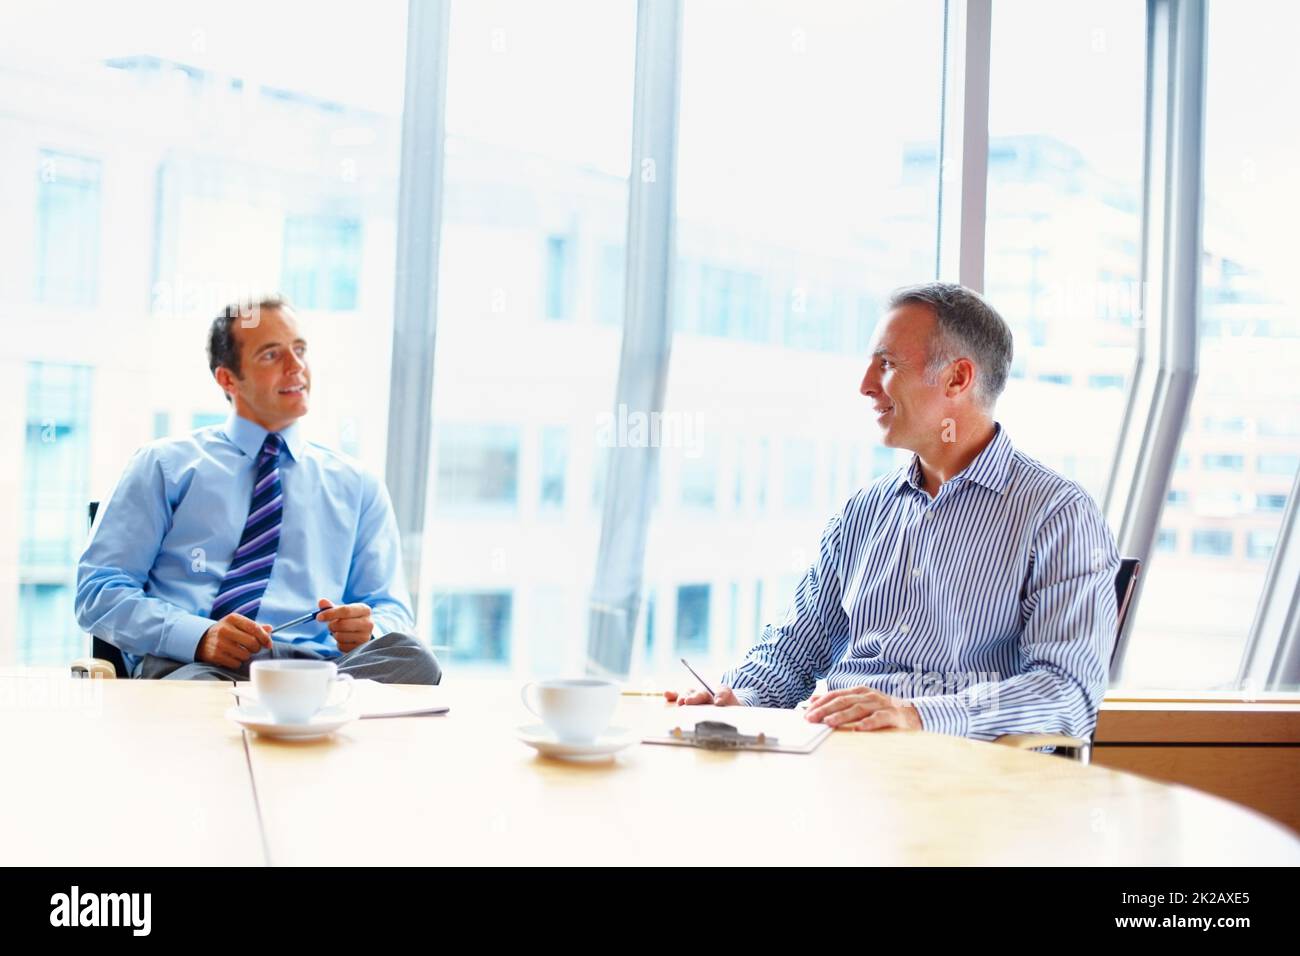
(250, 568)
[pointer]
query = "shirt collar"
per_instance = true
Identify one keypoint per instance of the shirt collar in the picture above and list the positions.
(990, 468)
(249, 436)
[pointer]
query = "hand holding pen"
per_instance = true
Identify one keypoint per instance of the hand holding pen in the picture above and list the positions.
(350, 624)
(723, 698)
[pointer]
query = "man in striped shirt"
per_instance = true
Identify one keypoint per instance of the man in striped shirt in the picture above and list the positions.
(970, 593)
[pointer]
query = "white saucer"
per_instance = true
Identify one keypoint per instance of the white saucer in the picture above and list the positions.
(543, 740)
(253, 716)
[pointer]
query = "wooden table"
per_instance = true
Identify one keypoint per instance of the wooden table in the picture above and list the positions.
(122, 773)
(182, 785)
(461, 790)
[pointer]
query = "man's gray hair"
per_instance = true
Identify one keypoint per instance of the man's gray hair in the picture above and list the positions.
(967, 327)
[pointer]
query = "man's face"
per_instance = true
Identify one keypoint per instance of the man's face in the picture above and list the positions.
(909, 411)
(275, 380)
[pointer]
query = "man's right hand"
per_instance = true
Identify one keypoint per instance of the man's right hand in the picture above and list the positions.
(724, 697)
(232, 641)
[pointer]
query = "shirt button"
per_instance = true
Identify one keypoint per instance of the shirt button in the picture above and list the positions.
(902, 629)
(929, 516)
(916, 572)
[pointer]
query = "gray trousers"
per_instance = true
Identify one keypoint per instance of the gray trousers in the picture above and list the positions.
(395, 658)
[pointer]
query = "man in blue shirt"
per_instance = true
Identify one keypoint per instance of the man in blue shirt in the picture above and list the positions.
(970, 593)
(212, 539)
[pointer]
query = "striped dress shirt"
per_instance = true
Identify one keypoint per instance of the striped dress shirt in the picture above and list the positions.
(990, 607)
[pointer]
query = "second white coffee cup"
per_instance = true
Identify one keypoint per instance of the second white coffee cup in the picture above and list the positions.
(294, 690)
(576, 710)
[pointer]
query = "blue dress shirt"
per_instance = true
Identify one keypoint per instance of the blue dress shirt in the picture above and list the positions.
(162, 543)
(990, 607)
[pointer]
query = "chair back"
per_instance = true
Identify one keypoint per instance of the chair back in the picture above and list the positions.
(98, 646)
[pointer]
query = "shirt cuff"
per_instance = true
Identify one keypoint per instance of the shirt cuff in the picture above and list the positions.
(182, 637)
(748, 696)
(942, 715)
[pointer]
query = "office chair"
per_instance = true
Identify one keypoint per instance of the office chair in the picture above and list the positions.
(1079, 748)
(105, 660)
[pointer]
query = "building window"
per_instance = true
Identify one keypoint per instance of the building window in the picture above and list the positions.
(1106, 381)
(883, 460)
(1167, 540)
(475, 627)
(1260, 544)
(1223, 462)
(478, 465)
(799, 462)
(1277, 464)
(162, 424)
(610, 295)
(322, 262)
(1220, 425)
(1215, 543)
(47, 635)
(700, 478)
(554, 465)
(559, 277)
(56, 482)
(693, 619)
(1270, 502)
(731, 304)
(1176, 497)
(205, 419)
(67, 230)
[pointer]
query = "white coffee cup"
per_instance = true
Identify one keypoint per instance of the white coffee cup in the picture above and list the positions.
(294, 690)
(575, 710)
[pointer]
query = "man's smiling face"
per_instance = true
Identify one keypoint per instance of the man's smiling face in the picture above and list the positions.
(274, 385)
(908, 406)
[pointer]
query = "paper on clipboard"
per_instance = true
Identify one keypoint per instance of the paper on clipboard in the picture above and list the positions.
(787, 730)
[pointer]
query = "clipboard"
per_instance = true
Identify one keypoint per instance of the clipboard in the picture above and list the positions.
(768, 729)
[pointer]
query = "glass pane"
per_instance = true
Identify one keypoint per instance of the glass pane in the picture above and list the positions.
(160, 158)
(808, 174)
(1242, 444)
(530, 316)
(1064, 222)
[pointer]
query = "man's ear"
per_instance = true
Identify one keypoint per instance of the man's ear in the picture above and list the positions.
(961, 376)
(226, 379)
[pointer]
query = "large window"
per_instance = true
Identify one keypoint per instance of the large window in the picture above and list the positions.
(1064, 222)
(1242, 442)
(158, 160)
(807, 183)
(529, 321)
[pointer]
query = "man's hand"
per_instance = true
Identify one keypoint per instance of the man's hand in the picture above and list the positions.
(350, 624)
(724, 698)
(232, 641)
(861, 708)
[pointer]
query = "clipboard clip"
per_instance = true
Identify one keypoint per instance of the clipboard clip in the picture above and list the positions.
(715, 735)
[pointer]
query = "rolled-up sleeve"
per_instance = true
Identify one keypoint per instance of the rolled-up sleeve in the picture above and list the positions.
(1069, 631)
(112, 600)
(784, 666)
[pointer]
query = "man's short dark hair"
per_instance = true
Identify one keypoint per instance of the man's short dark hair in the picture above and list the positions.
(967, 327)
(223, 347)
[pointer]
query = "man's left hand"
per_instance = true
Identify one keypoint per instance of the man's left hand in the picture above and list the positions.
(862, 708)
(350, 624)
